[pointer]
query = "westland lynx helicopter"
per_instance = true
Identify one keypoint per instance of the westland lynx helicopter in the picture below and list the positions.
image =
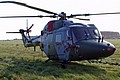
(64, 40)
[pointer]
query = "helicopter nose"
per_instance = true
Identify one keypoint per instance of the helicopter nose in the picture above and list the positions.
(108, 50)
(95, 50)
(105, 49)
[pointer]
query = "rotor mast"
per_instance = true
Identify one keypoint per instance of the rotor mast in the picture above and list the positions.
(62, 16)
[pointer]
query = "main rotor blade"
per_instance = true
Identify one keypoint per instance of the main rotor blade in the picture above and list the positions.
(32, 7)
(75, 15)
(102, 13)
(82, 19)
(39, 16)
(12, 32)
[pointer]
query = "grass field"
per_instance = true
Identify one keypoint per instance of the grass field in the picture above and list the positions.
(19, 63)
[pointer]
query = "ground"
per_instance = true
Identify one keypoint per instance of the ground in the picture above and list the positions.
(19, 63)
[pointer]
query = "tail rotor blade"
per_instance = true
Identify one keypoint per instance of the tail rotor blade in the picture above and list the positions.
(30, 26)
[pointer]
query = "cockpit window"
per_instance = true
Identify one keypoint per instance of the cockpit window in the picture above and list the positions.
(80, 33)
(94, 33)
(85, 33)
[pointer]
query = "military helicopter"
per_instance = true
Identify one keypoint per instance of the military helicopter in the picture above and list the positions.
(64, 40)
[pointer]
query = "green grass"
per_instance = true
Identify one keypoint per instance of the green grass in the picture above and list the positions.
(19, 63)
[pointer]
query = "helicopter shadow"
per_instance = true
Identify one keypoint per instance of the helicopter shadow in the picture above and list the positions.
(21, 66)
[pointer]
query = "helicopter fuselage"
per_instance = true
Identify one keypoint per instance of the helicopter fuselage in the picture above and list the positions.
(68, 41)
(65, 40)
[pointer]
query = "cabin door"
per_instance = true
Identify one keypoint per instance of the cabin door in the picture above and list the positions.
(59, 45)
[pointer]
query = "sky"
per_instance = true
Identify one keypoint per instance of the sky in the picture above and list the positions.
(103, 23)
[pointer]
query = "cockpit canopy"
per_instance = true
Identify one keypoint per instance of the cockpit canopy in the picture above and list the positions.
(79, 31)
(85, 32)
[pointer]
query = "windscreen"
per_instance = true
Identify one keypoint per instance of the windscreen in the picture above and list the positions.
(81, 33)
(95, 34)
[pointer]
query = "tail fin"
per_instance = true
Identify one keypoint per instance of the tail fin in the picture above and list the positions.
(29, 42)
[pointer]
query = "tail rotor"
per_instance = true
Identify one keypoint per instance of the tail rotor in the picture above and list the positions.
(28, 30)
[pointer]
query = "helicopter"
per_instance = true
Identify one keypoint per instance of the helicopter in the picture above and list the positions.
(64, 40)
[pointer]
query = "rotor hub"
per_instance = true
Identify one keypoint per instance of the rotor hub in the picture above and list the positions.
(62, 16)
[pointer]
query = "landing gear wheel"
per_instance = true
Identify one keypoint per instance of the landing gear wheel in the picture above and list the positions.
(63, 66)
